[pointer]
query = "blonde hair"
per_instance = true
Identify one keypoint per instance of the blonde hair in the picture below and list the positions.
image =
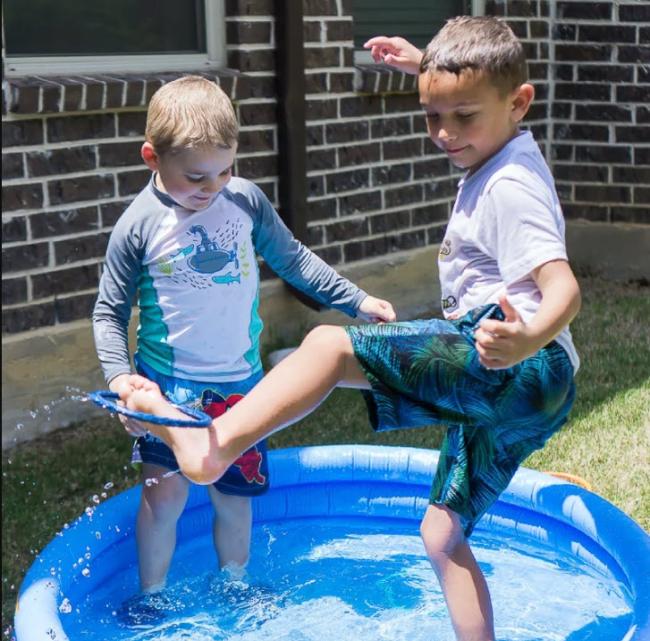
(482, 43)
(190, 112)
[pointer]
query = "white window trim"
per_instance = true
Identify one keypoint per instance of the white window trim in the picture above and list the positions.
(362, 56)
(72, 65)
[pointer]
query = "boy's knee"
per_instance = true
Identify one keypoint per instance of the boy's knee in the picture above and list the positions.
(331, 338)
(166, 499)
(441, 532)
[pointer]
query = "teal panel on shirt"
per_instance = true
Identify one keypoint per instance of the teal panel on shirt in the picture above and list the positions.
(252, 355)
(153, 347)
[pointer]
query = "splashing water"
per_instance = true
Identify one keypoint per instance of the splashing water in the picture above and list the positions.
(351, 581)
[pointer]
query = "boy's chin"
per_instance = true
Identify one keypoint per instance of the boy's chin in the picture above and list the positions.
(459, 164)
(198, 206)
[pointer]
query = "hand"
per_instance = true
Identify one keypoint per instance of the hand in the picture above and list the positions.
(502, 344)
(396, 52)
(124, 385)
(376, 310)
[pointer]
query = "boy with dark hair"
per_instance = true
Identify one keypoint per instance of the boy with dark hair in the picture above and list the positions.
(498, 371)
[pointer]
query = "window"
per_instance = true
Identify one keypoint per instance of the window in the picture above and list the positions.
(415, 20)
(82, 36)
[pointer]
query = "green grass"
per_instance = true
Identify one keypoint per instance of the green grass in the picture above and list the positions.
(49, 482)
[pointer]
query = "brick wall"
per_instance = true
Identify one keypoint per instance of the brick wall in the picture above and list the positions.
(599, 92)
(601, 111)
(71, 164)
(376, 183)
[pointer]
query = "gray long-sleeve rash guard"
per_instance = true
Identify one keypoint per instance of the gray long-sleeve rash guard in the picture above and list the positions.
(197, 281)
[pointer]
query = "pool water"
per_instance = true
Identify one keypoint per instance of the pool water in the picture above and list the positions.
(352, 579)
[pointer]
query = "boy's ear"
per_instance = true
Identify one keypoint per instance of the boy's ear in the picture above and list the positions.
(149, 156)
(522, 99)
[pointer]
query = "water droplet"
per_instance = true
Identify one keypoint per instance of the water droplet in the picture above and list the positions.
(104, 495)
(108, 485)
(150, 482)
(87, 555)
(95, 498)
(117, 529)
(98, 535)
(86, 572)
(89, 511)
(66, 606)
(19, 426)
(80, 560)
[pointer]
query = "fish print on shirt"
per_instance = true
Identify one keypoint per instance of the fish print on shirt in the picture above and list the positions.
(209, 261)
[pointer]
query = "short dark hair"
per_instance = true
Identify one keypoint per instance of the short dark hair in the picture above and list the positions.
(481, 43)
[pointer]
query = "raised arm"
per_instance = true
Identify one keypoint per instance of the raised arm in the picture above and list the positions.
(396, 52)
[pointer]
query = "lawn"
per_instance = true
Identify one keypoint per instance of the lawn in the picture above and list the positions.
(49, 482)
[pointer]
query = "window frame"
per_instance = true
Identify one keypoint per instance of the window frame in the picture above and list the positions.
(214, 57)
(363, 57)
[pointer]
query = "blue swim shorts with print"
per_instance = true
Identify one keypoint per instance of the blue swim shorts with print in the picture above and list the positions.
(428, 372)
(249, 474)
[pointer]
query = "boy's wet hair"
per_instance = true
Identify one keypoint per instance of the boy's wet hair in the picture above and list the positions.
(483, 43)
(188, 113)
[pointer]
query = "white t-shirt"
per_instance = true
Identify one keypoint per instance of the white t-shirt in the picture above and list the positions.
(506, 221)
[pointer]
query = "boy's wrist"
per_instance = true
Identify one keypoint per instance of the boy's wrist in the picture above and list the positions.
(118, 381)
(536, 338)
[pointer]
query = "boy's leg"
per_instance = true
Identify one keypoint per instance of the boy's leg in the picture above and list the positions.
(231, 528)
(160, 507)
(292, 389)
(461, 580)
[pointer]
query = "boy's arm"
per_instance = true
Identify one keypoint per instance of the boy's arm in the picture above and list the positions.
(303, 269)
(112, 312)
(117, 288)
(396, 52)
(502, 344)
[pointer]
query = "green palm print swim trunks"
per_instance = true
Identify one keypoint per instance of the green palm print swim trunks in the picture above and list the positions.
(428, 371)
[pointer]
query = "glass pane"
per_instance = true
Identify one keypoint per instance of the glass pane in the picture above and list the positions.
(103, 27)
(415, 20)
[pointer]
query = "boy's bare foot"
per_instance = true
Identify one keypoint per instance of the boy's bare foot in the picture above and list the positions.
(200, 456)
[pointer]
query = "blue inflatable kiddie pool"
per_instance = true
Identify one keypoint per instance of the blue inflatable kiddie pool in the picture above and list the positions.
(336, 556)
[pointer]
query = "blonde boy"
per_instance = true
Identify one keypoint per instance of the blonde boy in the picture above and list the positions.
(498, 371)
(187, 246)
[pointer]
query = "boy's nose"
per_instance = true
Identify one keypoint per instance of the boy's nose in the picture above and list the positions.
(445, 135)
